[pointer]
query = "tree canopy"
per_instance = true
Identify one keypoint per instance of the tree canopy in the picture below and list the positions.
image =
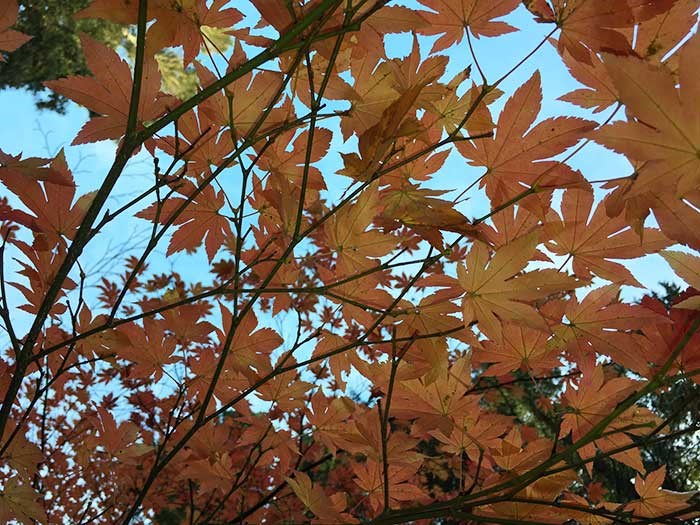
(322, 324)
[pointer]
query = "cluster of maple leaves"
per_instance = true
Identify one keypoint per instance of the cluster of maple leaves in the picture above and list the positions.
(163, 396)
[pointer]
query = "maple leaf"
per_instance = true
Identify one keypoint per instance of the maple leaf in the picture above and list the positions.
(600, 92)
(338, 363)
(200, 221)
(33, 168)
(601, 324)
(656, 501)
(328, 417)
(119, 11)
(199, 142)
(524, 455)
(39, 269)
(665, 135)
(497, 290)
(473, 433)
(429, 356)
(518, 453)
(656, 37)
(509, 224)
(327, 509)
(178, 22)
(56, 212)
(419, 209)
(452, 17)
(9, 38)
(595, 25)
(21, 455)
(687, 267)
(120, 440)
(513, 158)
(375, 90)
(364, 437)
(19, 502)
(186, 324)
(347, 235)
(676, 216)
(253, 345)
(594, 399)
(215, 473)
(108, 92)
(244, 101)
(278, 204)
(336, 88)
(150, 348)
(591, 243)
(521, 347)
(291, 164)
(447, 112)
(670, 329)
(435, 403)
(413, 71)
(387, 20)
(397, 121)
(286, 391)
(369, 477)
(182, 22)
(103, 343)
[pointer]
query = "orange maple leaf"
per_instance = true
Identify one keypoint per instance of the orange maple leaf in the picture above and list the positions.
(150, 348)
(451, 17)
(436, 403)
(656, 501)
(509, 224)
(108, 92)
(251, 95)
(677, 216)
(177, 23)
(327, 509)
(56, 213)
(595, 25)
(119, 441)
(34, 168)
(20, 502)
(291, 164)
(199, 142)
(496, 289)
(200, 222)
(514, 157)
(521, 347)
(687, 267)
(375, 89)
(656, 37)
(421, 210)
(347, 234)
(594, 399)
(9, 38)
(665, 135)
(600, 92)
(601, 324)
(670, 330)
(369, 477)
(591, 243)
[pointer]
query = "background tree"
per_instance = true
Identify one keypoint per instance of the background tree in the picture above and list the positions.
(505, 377)
(54, 50)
